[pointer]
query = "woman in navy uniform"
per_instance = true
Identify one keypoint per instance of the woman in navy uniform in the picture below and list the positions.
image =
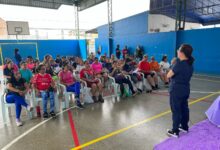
(180, 75)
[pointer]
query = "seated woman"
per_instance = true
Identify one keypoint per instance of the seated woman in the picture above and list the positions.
(66, 78)
(156, 67)
(25, 73)
(36, 64)
(164, 64)
(129, 69)
(8, 70)
(120, 78)
(88, 75)
(30, 63)
(97, 67)
(17, 88)
(45, 87)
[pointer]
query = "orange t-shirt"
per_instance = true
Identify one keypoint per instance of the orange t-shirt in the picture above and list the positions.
(154, 66)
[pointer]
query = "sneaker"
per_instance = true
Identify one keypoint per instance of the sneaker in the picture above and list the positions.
(149, 91)
(45, 115)
(19, 123)
(101, 99)
(94, 99)
(52, 114)
(134, 94)
(29, 108)
(172, 133)
(183, 130)
(140, 91)
(79, 105)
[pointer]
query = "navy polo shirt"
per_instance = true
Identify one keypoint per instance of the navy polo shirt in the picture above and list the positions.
(180, 82)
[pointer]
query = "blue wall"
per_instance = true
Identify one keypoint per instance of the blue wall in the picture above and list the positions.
(206, 46)
(132, 31)
(52, 47)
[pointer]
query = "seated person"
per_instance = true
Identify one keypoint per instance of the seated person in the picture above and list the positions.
(36, 64)
(156, 68)
(66, 78)
(17, 88)
(88, 75)
(129, 69)
(164, 64)
(30, 63)
(45, 87)
(120, 78)
(97, 67)
(25, 73)
(8, 69)
(152, 78)
(49, 70)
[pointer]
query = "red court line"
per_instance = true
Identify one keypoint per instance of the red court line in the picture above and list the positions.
(73, 129)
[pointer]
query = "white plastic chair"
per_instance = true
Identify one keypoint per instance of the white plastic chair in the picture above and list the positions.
(36, 99)
(5, 109)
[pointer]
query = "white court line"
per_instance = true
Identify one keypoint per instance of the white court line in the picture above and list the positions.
(201, 92)
(201, 75)
(31, 129)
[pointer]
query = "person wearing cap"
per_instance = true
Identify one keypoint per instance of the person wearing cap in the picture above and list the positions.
(144, 67)
(154, 65)
(180, 76)
(25, 72)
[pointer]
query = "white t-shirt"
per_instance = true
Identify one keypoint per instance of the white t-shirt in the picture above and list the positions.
(165, 66)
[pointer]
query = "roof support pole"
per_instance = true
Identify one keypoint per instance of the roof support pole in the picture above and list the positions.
(110, 27)
(77, 22)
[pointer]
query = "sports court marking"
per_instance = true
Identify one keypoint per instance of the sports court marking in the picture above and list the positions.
(214, 81)
(32, 129)
(136, 124)
(201, 75)
(73, 129)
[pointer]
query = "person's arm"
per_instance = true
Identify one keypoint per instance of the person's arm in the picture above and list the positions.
(174, 71)
(11, 88)
(170, 74)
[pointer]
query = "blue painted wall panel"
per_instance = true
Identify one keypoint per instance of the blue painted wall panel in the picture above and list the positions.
(83, 49)
(206, 46)
(52, 47)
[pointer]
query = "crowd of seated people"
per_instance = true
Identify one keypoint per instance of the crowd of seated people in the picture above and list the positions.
(69, 71)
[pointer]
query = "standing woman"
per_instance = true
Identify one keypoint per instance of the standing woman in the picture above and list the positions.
(180, 75)
(17, 57)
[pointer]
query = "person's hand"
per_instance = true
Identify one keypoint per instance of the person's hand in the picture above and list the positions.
(21, 93)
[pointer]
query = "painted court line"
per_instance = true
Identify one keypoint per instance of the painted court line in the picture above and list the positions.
(210, 76)
(73, 129)
(30, 130)
(137, 124)
(214, 81)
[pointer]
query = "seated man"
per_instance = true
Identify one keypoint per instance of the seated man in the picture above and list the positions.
(144, 67)
(154, 65)
(17, 88)
(120, 78)
(66, 78)
(45, 87)
(88, 75)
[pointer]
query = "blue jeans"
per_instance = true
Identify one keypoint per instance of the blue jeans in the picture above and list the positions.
(45, 95)
(19, 101)
(74, 88)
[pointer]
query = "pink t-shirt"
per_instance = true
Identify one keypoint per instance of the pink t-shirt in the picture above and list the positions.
(31, 66)
(66, 77)
(97, 67)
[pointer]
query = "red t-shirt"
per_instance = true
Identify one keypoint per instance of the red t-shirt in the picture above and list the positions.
(124, 51)
(87, 73)
(43, 82)
(144, 65)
